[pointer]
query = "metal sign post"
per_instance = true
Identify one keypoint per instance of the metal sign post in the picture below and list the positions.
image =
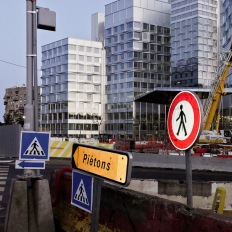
(184, 128)
(101, 163)
(97, 184)
(188, 163)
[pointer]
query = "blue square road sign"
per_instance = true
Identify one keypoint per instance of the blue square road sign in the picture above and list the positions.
(82, 191)
(34, 145)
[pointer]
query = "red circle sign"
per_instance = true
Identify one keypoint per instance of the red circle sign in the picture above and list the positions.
(185, 120)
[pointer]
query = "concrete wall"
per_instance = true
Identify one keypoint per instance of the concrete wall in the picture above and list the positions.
(178, 162)
(203, 192)
(127, 210)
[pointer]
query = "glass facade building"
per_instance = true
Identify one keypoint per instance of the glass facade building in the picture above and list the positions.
(72, 88)
(194, 33)
(137, 42)
(226, 41)
(226, 30)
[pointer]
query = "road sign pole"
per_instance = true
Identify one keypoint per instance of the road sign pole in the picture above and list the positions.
(186, 113)
(97, 184)
(189, 177)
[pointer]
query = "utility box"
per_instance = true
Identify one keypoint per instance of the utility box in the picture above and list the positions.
(46, 19)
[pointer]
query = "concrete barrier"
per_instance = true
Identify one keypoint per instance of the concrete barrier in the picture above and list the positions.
(63, 149)
(178, 162)
(126, 210)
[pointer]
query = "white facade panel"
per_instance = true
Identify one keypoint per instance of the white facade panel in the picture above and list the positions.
(128, 3)
(151, 5)
(137, 3)
(121, 4)
(138, 14)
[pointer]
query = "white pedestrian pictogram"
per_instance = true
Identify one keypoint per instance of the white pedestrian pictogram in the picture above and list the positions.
(34, 148)
(81, 195)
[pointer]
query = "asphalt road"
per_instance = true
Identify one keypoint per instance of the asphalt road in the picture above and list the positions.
(137, 173)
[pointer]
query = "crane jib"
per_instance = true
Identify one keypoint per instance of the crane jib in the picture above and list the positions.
(217, 90)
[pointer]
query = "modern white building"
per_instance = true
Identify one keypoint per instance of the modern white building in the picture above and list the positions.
(137, 42)
(194, 31)
(72, 99)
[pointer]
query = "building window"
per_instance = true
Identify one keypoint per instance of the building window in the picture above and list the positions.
(145, 26)
(129, 25)
(81, 48)
(96, 50)
(96, 69)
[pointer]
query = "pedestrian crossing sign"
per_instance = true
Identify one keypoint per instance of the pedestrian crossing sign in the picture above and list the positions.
(82, 191)
(34, 145)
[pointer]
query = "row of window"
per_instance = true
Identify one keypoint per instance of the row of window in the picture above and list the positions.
(187, 55)
(70, 97)
(188, 2)
(191, 47)
(196, 35)
(194, 13)
(136, 26)
(70, 126)
(192, 22)
(145, 56)
(151, 47)
(71, 77)
(71, 87)
(80, 116)
(142, 85)
(193, 6)
(71, 57)
(192, 43)
(140, 66)
(119, 115)
(65, 48)
(192, 28)
(70, 67)
(143, 36)
(127, 75)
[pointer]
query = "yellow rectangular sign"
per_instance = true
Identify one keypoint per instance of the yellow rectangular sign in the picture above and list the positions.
(105, 163)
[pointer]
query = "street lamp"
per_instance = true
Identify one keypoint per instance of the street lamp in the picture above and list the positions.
(46, 20)
(97, 120)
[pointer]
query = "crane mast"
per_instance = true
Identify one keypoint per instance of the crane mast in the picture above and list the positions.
(217, 90)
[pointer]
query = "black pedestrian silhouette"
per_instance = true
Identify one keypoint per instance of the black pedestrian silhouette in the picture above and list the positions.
(34, 145)
(182, 118)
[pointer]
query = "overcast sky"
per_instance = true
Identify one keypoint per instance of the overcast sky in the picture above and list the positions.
(73, 19)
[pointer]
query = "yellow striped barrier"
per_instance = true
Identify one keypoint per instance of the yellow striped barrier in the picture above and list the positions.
(63, 149)
(219, 200)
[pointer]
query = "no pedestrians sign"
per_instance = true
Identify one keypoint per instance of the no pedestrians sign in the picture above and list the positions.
(185, 120)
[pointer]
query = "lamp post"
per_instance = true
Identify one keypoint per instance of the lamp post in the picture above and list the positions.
(97, 120)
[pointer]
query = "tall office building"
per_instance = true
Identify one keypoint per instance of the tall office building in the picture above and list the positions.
(226, 30)
(226, 42)
(226, 23)
(137, 42)
(72, 88)
(194, 31)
